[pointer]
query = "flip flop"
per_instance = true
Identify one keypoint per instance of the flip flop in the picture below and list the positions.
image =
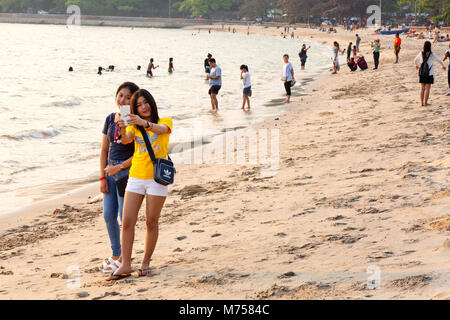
(144, 272)
(114, 277)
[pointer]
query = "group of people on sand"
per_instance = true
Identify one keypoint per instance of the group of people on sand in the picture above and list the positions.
(126, 166)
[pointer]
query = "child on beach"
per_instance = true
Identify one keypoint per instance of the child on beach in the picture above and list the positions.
(355, 52)
(362, 64)
(424, 63)
(245, 77)
(171, 68)
(352, 64)
(288, 77)
(141, 184)
(358, 41)
(151, 67)
(115, 161)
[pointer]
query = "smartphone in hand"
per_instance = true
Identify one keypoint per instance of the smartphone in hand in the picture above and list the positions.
(125, 113)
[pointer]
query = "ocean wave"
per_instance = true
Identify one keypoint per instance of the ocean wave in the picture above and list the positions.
(24, 170)
(66, 103)
(35, 134)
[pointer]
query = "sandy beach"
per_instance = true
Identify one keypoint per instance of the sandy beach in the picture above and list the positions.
(362, 186)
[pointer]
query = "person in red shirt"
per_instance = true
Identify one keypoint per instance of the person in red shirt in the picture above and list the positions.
(397, 46)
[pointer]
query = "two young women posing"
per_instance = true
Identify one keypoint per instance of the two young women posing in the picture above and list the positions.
(141, 184)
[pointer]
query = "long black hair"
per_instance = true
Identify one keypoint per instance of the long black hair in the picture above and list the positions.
(426, 49)
(128, 85)
(150, 100)
(244, 67)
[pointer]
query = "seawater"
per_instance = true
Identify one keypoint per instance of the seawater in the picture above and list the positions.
(52, 119)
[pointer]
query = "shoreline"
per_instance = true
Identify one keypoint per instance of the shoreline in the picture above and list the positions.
(362, 182)
(61, 192)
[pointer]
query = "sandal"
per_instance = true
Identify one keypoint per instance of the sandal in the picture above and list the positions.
(110, 265)
(115, 277)
(144, 272)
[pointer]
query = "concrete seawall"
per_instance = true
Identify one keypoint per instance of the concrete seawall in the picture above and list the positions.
(61, 19)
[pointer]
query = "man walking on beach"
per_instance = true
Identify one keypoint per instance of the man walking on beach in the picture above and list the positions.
(215, 83)
(397, 46)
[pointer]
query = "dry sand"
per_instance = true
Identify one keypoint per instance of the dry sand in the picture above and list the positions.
(363, 184)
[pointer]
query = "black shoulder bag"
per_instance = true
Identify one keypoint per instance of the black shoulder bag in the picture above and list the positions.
(163, 169)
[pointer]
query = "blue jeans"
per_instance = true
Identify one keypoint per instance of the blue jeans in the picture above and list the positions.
(112, 208)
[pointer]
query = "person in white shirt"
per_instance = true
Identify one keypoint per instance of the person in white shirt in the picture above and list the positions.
(426, 72)
(245, 77)
(288, 77)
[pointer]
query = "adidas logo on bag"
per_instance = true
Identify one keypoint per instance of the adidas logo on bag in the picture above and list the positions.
(167, 173)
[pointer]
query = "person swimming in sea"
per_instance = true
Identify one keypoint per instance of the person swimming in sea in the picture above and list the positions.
(151, 67)
(171, 68)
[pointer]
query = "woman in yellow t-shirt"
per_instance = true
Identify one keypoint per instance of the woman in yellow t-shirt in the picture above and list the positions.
(141, 183)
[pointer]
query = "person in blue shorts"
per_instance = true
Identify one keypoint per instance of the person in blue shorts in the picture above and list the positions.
(245, 77)
(215, 83)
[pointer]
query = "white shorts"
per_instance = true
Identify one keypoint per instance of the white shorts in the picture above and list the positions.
(149, 187)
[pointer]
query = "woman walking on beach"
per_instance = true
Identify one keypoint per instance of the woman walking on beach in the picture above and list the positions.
(141, 184)
(336, 51)
(288, 77)
(245, 77)
(303, 55)
(424, 63)
(376, 52)
(115, 161)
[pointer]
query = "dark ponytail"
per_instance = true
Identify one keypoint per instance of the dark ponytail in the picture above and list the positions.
(244, 67)
(426, 49)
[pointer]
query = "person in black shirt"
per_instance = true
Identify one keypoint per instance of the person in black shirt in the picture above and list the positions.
(115, 161)
(303, 55)
(207, 67)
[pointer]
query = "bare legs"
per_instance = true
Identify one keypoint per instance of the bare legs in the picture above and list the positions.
(424, 93)
(214, 102)
(154, 207)
(245, 99)
(132, 205)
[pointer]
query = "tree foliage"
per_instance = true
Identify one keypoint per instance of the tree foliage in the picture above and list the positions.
(296, 10)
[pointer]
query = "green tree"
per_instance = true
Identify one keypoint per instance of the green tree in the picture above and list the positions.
(204, 7)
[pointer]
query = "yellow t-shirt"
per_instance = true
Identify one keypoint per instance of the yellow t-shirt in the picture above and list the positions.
(142, 165)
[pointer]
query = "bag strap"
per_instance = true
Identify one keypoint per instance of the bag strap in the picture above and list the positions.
(147, 143)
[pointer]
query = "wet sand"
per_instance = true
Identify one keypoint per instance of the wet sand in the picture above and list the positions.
(363, 184)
